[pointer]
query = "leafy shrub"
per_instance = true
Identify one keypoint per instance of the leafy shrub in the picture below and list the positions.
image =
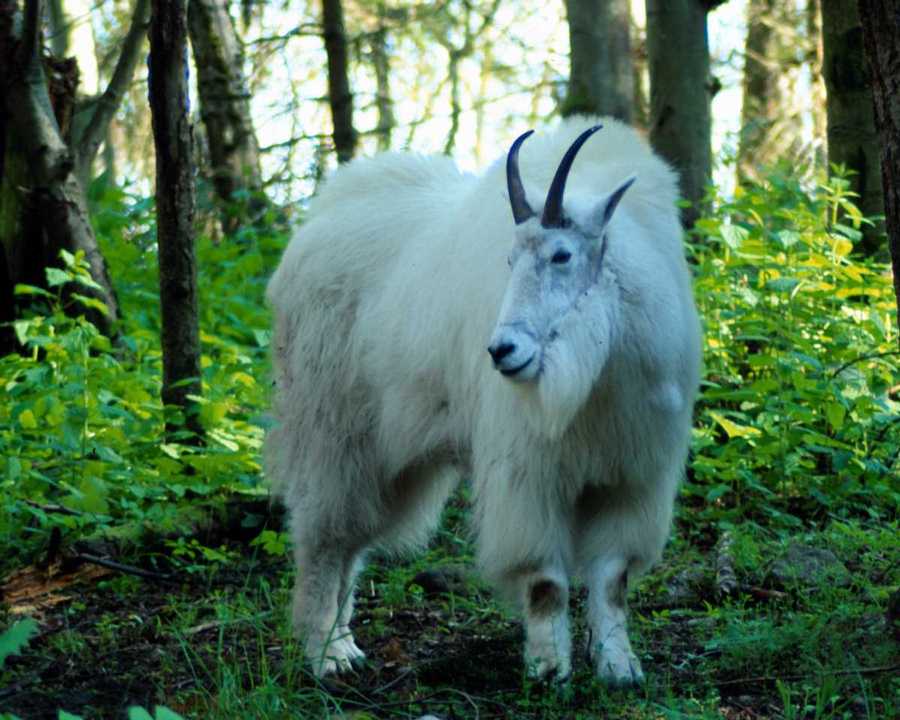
(82, 426)
(799, 412)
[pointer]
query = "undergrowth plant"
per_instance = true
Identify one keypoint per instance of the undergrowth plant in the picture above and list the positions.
(81, 425)
(798, 417)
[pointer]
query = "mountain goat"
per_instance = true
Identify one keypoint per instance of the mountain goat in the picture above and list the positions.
(552, 354)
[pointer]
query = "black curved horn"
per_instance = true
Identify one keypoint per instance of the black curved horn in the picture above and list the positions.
(552, 216)
(521, 210)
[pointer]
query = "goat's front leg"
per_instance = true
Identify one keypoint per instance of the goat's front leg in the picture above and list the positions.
(610, 648)
(548, 644)
(352, 566)
(323, 605)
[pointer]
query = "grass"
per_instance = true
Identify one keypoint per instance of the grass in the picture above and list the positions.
(215, 643)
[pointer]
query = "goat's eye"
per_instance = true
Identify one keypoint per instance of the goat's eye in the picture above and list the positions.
(561, 257)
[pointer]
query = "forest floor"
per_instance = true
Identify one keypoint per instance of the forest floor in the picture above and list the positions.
(812, 636)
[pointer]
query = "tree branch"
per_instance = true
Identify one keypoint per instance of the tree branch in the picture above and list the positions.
(105, 108)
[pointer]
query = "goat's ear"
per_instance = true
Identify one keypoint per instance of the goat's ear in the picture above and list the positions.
(604, 209)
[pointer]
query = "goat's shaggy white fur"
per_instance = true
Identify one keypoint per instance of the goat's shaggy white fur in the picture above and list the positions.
(385, 303)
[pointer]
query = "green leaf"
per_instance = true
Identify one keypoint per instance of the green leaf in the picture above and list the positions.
(88, 281)
(55, 276)
(163, 713)
(848, 232)
(92, 303)
(835, 412)
(782, 284)
(138, 713)
(14, 640)
(788, 238)
(716, 492)
(21, 289)
(733, 429)
(68, 258)
(171, 450)
(21, 327)
(733, 235)
(94, 495)
(262, 337)
(27, 420)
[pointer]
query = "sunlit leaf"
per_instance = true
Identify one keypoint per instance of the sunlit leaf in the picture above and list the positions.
(55, 276)
(734, 429)
(733, 235)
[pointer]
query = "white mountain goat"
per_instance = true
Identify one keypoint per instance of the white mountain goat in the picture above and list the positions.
(405, 275)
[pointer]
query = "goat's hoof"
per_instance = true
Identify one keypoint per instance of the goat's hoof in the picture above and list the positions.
(555, 670)
(340, 657)
(620, 669)
(352, 654)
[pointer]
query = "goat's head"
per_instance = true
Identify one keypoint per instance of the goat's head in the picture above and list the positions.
(554, 261)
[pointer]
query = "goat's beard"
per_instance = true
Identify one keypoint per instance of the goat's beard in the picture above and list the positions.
(571, 364)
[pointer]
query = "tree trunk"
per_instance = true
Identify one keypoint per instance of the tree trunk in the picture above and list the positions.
(680, 92)
(852, 140)
(817, 89)
(601, 79)
(8, 342)
(641, 80)
(880, 23)
(71, 33)
(94, 130)
(169, 106)
(42, 204)
(381, 64)
(224, 105)
(762, 101)
(339, 95)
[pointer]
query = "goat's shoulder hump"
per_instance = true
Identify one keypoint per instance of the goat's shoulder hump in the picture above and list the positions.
(387, 174)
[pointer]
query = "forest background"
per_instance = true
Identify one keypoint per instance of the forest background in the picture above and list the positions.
(143, 206)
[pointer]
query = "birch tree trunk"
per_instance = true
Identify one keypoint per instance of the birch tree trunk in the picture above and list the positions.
(852, 139)
(680, 92)
(224, 104)
(601, 79)
(339, 96)
(169, 106)
(880, 23)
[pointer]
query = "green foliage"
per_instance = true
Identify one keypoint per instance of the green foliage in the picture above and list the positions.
(134, 713)
(81, 431)
(15, 638)
(799, 410)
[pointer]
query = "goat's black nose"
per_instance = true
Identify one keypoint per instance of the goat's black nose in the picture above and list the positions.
(501, 350)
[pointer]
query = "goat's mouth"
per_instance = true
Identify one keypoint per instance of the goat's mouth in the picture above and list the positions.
(513, 371)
